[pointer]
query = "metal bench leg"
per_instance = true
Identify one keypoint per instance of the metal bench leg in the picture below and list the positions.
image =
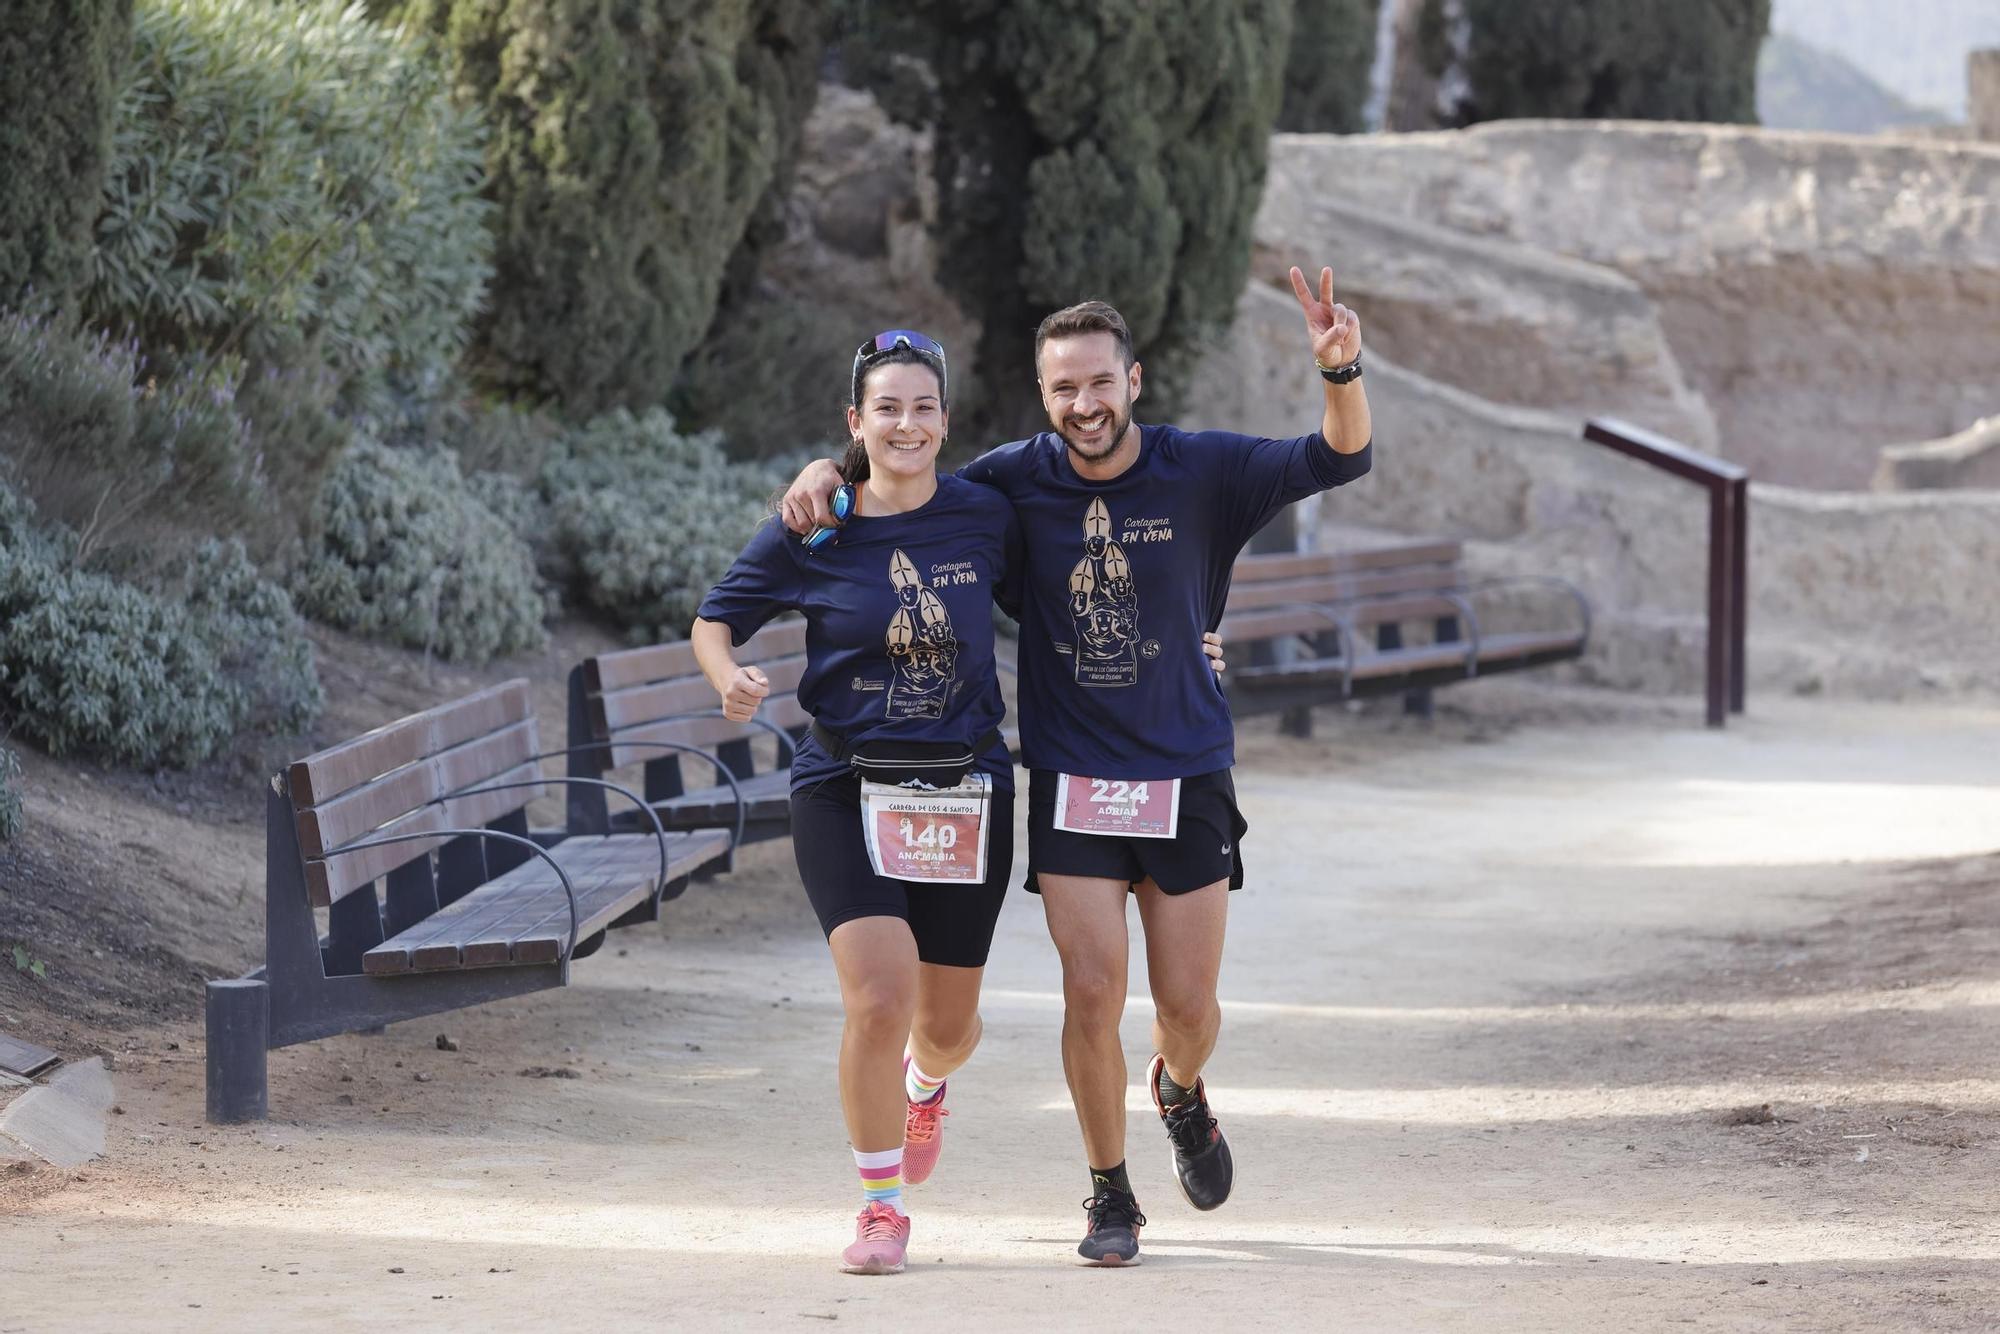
(239, 1030)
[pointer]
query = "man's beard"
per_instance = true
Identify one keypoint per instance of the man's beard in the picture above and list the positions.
(1121, 422)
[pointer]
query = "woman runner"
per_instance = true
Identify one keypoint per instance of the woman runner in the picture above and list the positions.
(899, 664)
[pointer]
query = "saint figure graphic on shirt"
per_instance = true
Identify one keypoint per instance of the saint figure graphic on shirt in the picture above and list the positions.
(1104, 606)
(922, 651)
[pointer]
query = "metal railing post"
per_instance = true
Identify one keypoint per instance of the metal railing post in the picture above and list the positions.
(1728, 487)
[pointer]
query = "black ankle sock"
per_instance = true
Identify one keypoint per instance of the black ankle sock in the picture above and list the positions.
(1170, 1092)
(1111, 1177)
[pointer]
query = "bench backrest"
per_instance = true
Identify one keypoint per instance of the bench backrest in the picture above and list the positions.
(645, 695)
(390, 781)
(1373, 587)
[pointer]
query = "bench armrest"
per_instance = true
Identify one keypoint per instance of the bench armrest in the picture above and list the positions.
(789, 748)
(659, 831)
(1548, 581)
(569, 890)
(724, 771)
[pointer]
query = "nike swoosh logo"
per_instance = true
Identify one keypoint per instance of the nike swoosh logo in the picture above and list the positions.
(1225, 849)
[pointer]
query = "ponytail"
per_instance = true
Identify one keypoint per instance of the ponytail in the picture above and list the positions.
(854, 463)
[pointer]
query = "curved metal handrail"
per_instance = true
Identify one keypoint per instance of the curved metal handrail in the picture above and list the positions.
(659, 830)
(1549, 580)
(728, 775)
(569, 890)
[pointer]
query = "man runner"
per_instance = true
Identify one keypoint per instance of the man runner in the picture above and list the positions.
(1130, 534)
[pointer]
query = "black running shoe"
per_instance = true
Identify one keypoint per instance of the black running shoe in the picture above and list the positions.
(1111, 1232)
(1201, 1155)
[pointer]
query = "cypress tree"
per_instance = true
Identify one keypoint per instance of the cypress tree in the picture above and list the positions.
(1326, 74)
(1617, 59)
(633, 143)
(1113, 150)
(59, 71)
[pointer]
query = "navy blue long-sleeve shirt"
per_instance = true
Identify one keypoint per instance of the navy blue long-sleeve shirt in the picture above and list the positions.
(1119, 580)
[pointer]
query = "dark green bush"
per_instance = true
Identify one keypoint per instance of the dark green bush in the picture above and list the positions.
(292, 182)
(1326, 74)
(1113, 151)
(60, 61)
(165, 675)
(408, 552)
(1627, 59)
(633, 144)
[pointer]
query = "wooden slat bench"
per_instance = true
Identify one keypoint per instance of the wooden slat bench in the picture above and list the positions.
(1346, 616)
(414, 839)
(652, 706)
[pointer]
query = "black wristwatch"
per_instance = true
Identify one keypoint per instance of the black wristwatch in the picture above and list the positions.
(1341, 374)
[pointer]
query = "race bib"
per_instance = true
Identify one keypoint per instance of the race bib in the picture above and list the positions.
(1147, 809)
(933, 837)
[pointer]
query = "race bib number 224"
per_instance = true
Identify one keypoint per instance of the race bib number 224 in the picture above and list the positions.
(1146, 808)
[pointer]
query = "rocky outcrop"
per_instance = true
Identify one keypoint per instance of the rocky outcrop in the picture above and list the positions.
(1884, 596)
(1823, 293)
(1970, 459)
(1508, 322)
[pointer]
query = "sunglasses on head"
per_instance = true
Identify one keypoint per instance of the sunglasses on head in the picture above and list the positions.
(888, 341)
(843, 509)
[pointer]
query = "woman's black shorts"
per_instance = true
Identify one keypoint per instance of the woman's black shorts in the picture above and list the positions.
(953, 924)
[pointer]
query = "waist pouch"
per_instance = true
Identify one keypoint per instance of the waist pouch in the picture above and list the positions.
(917, 764)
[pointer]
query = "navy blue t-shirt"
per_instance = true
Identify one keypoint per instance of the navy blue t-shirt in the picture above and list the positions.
(899, 622)
(1119, 580)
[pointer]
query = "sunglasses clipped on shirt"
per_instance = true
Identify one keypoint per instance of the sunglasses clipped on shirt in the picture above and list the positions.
(843, 509)
(888, 341)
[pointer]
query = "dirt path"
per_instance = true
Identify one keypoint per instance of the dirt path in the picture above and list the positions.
(1503, 1012)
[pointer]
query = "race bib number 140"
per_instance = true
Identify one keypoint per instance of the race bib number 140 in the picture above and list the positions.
(1149, 808)
(933, 837)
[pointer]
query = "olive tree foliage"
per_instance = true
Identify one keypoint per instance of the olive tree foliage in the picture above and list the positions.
(60, 61)
(1690, 60)
(1326, 74)
(1114, 151)
(291, 182)
(633, 145)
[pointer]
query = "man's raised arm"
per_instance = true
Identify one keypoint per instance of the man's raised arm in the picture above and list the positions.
(1336, 343)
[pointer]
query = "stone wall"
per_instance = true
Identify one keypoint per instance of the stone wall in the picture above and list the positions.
(1824, 293)
(1882, 596)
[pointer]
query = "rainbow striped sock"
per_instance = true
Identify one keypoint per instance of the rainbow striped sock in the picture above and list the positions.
(881, 1176)
(917, 1085)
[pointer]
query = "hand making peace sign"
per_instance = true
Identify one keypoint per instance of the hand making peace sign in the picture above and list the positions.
(1335, 330)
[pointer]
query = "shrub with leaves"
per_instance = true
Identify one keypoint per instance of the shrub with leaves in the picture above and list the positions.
(1622, 59)
(1326, 74)
(408, 552)
(291, 180)
(643, 518)
(10, 796)
(634, 144)
(60, 62)
(1051, 190)
(113, 453)
(93, 664)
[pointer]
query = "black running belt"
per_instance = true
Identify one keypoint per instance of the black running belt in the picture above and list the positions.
(840, 748)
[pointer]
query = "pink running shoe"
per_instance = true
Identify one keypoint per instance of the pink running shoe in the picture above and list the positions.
(881, 1237)
(923, 1139)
